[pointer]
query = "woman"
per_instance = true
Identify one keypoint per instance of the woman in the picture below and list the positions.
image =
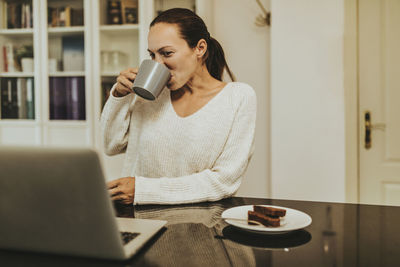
(194, 142)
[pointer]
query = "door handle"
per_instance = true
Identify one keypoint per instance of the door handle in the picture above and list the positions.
(369, 127)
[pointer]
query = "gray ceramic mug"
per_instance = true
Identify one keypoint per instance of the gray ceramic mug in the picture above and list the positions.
(151, 79)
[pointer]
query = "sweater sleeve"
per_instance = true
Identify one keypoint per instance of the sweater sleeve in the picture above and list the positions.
(114, 121)
(220, 181)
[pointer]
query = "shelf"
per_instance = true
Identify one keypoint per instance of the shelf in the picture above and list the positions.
(66, 73)
(117, 29)
(66, 123)
(110, 73)
(65, 31)
(16, 32)
(17, 74)
(18, 122)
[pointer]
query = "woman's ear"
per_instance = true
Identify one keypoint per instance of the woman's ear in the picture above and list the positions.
(201, 48)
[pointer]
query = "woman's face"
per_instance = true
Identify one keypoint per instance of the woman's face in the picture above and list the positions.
(168, 48)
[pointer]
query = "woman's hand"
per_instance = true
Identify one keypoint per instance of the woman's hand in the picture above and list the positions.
(125, 82)
(122, 190)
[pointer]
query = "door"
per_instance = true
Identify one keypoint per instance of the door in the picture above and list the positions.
(379, 101)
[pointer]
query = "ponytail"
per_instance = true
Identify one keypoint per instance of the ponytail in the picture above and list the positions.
(215, 60)
(192, 29)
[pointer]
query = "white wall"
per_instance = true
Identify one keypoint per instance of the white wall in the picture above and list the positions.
(247, 51)
(307, 100)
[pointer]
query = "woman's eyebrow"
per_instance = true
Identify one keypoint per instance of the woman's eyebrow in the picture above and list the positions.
(159, 48)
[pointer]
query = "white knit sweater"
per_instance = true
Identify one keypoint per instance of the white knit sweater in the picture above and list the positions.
(201, 157)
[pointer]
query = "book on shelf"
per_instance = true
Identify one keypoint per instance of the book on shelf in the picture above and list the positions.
(73, 53)
(30, 99)
(28, 22)
(114, 14)
(3, 61)
(67, 98)
(3, 15)
(129, 10)
(13, 15)
(122, 12)
(59, 16)
(17, 98)
(64, 16)
(9, 64)
(9, 102)
(26, 16)
(77, 17)
(76, 98)
(58, 98)
(21, 98)
(18, 14)
(6, 98)
(11, 56)
(14, 99)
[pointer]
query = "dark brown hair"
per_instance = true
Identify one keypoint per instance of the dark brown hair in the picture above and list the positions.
(192, 28)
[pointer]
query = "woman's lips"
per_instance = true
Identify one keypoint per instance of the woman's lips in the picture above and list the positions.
(169, 81)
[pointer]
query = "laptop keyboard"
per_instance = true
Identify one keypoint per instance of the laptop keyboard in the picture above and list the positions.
(128, 237)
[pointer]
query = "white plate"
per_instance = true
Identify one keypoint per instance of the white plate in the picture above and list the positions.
(293, 220)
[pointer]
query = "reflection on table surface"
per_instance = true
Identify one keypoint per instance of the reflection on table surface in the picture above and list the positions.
(267, 241)
(340, 235)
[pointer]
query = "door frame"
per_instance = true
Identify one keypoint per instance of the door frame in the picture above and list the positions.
(351, 96)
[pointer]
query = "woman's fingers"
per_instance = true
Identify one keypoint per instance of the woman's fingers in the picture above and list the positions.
(122, 189)
(122, 198)
(125, 81)
(129, 73)
(133, 70)
(115, 191)
(119, 198)
(122, 89)
(112, 184)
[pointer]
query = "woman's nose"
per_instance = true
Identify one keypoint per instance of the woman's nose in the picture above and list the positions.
(159, 59)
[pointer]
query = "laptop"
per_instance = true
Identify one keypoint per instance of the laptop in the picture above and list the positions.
(55, 200)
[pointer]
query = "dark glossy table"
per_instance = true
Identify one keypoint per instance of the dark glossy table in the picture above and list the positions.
(340, 235)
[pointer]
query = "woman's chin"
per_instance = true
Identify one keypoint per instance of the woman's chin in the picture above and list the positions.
(175, 85)
(172, 86)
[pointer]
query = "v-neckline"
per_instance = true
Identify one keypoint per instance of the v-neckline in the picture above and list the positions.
(200, 109)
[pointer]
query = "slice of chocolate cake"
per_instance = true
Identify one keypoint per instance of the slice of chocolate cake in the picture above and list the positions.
(265, 220)
(269, 211)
